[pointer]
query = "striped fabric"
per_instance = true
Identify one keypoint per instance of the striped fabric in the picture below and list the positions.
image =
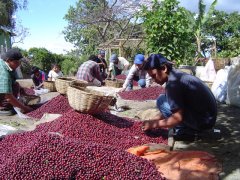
(88, 71)
(6, 80)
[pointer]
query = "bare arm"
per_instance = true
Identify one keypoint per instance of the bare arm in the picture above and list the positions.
(160, 122)
(14, 102)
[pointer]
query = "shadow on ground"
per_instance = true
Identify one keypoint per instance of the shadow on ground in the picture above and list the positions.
(226, 149)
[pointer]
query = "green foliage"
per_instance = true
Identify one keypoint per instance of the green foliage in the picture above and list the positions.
(42, 58)
(225, 27)
(71, 63)
(202, 18)
(82, 31)
(7, 9)
(232, 49)
(168, 30)
(92, 22)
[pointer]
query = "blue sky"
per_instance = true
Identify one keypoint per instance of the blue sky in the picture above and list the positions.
(45, 23)
(44, 20)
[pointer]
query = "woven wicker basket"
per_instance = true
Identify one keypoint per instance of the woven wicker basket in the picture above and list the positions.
(220, 63)
(117, 83)
(79, 84)
(87, 101)
(62, 84)
(50, 85)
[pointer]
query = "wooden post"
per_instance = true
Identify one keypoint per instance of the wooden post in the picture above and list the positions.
(120, 48)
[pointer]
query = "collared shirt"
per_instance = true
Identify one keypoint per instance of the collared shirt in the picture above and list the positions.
(88, 71)
(7, 78)
(122, 62)
(52, 74)
(189, 93)
(135, 71)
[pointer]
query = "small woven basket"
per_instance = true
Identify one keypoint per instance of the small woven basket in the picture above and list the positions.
(88, 101)
(79, 84)
(50, 85)
(117, 83)
(62, 84)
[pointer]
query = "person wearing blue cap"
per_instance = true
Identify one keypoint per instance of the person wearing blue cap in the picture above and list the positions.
(9, 88)
(137, 73)
(117, 66)
(188, 105)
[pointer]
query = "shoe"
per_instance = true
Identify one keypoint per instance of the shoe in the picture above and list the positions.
(183, 135)
(7, 112)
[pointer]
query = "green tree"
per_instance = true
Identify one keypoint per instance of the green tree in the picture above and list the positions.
(168, 30)
(7, 10)
(41, 58)
(71, 63)
(201, 19)
(92, 22)
(225, 27)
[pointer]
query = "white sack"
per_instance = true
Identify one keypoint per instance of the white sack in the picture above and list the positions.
(219, 86)
(233, 85)
(209, 73)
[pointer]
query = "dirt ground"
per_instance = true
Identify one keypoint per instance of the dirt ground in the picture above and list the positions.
(226, 149)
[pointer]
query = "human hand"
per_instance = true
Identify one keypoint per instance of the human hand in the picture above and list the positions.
(103, 83)
(122, 90)
(149, 124)
(27, 109)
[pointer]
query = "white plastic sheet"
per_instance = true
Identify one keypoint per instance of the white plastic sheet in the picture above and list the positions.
(40, 91)
(5, 130)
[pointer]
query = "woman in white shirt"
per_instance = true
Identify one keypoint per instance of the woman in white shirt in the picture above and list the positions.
(138, 74)
(117, 65)
(54, 73)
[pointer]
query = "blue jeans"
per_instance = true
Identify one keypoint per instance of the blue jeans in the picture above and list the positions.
(141, 83)
(164, 108)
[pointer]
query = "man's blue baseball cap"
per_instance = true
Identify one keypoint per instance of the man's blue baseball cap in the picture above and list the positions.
(139, 58)
(113, 58)
(102, 52)
(154, 61)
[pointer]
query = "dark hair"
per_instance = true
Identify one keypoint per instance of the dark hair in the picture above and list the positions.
(34, 69)
(55, 65)
(93, 58)
(12, 54)
(157, 61)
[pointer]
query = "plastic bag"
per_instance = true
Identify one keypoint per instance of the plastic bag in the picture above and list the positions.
(209, 73)
(5, 130)
(40, 91)
(233, 85)
(219, 87)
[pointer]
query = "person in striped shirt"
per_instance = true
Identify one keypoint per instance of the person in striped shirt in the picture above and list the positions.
(90, 71)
